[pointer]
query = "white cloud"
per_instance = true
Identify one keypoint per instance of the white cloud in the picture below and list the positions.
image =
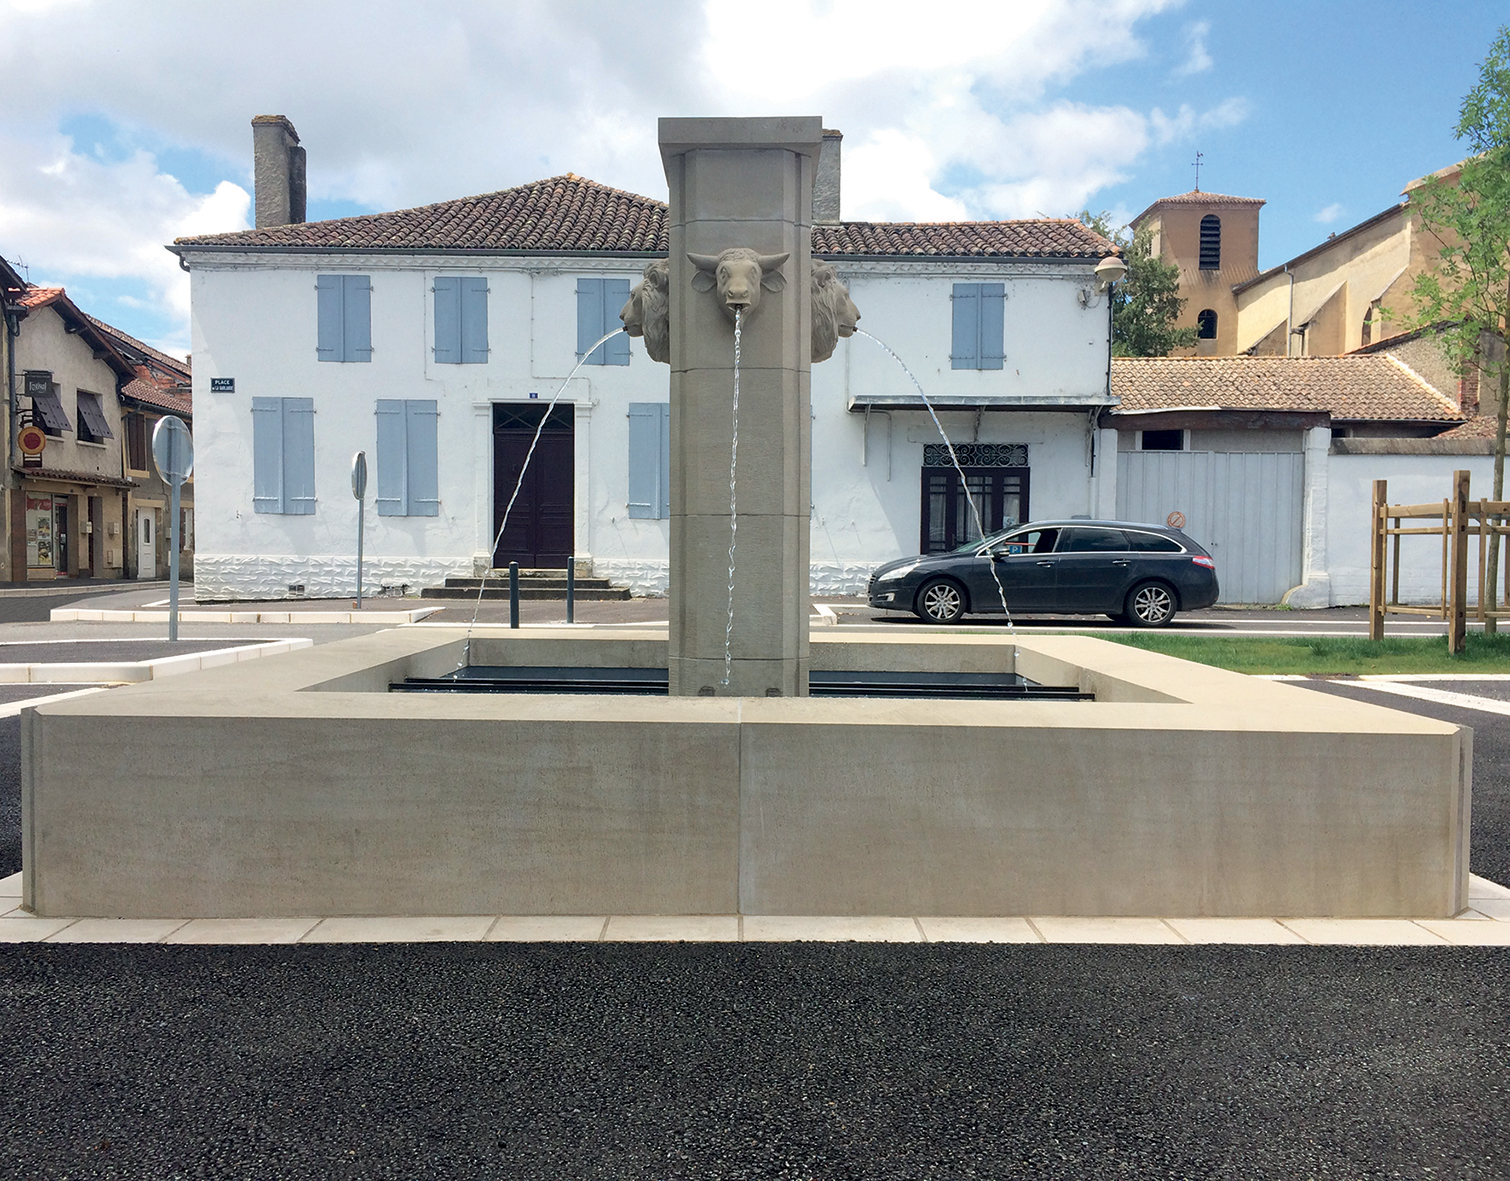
(72, 214)
(403, 102)
(1197, 58)
(1330, 214)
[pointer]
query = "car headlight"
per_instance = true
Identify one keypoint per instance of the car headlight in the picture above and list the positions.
(899, 572)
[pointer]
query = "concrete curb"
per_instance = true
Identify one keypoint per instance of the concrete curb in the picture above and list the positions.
(135, 671)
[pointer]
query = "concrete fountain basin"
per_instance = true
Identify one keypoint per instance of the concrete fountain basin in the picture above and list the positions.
(300, 785)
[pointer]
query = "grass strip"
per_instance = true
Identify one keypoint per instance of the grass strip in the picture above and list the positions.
(1338, 655)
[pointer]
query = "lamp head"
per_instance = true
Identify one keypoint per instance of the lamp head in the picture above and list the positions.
(1109, 270)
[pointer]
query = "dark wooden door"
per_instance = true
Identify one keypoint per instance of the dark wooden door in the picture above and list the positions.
(539, 531)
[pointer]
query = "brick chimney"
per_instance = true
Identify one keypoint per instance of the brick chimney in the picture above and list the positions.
(278, 171)
(826, 180)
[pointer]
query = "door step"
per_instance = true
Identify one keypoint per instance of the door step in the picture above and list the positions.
(533, 584)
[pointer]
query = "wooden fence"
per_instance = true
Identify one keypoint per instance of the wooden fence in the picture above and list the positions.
(1454, 520)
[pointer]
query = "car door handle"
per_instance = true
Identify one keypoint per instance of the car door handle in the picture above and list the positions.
(1045, 561)
(1121, 561)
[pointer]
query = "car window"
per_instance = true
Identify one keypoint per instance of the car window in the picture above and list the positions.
(1152, 543)
(1084, 540)
(1028, 541)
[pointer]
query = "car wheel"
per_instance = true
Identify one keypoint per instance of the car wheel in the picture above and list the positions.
(940, 601)
(1150, 604)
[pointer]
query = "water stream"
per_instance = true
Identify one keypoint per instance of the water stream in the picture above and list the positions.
(466, 650)
(733, 501)
(980, 526)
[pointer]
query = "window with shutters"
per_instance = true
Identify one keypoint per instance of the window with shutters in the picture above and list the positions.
(47, 406)
(345, 317)
(283, 455)
(598, 304)
(1211, 243)
(408, 479)
(650, 460)
(92, 425)
(979, 311)
(136, 441)
(461, 320)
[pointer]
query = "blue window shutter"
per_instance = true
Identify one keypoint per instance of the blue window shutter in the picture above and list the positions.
(357, 318)
(447, 321)
(420, 416)
(267, 455)
(615, 295)
(392, 459)
(589, 318)
(299, 456)
(644, 460)
(663, 507)
(965, 350)
(993, 307)
(474, 321)
(329, 341)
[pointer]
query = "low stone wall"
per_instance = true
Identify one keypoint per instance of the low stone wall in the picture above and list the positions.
(296, 785)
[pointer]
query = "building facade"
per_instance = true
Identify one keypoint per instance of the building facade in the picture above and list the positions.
(435, 340)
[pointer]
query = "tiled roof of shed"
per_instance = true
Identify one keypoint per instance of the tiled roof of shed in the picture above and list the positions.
(572, 215)
(1482, 426)
(153, 395)
(1353, 387)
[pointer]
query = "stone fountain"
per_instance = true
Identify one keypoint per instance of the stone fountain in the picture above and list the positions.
(300, 785)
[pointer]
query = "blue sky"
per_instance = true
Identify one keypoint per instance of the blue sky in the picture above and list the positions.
(129, 124)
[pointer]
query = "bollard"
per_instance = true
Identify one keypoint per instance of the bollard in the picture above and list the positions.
(513, 594)
(571, 589)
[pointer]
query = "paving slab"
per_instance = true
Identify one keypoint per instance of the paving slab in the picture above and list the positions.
(1495, 908)
(949, 929)
(117, 931)
(1363, 932)
(720, 928)
(244, 931)
(829, 929)
(20, 927)
(1233, 930)
(400, 929)
(1078, 929)
(1469, 934)
(1483, 888)
(549, 928)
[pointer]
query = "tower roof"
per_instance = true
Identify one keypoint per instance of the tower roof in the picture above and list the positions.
(1197, 197)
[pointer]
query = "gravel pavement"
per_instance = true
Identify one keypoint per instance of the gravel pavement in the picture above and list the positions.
(715, 1061)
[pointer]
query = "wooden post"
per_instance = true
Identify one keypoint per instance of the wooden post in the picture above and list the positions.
(1376, 562)
(1457, 626)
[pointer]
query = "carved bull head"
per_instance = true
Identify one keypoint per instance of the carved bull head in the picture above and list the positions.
(740, 275)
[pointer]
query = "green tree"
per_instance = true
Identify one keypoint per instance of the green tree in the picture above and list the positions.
(1146, 303)
(1469, 288)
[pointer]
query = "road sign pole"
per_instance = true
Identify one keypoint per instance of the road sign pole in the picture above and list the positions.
(173, 449)
(359, 490)
(361, 529)
(173, 566)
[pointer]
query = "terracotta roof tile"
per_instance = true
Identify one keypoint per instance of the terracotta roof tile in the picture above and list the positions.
(1352, 387)
(39, 297)
(1198, 197)
(1482, 426)
(570, 214)
(154, 395)
(154, 358)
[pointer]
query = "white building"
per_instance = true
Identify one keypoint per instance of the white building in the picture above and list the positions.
(433, 339)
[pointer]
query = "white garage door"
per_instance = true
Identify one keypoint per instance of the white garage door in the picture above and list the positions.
(1244, 507)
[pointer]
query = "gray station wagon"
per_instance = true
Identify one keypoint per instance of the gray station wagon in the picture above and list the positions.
(1137, 574)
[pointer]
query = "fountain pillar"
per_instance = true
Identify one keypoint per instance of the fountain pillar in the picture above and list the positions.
(740, 183)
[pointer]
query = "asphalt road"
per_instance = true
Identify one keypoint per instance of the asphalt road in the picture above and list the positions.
(716, 1061)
